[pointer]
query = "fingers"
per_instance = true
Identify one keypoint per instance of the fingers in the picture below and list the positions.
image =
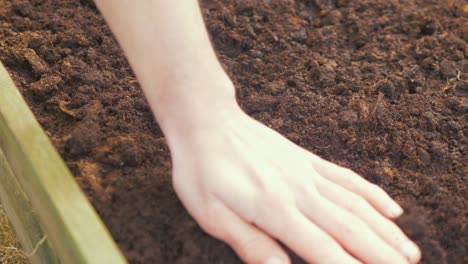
(377, 197)
(351, 232)
(302, 236)
(382, 226)
(250, 244)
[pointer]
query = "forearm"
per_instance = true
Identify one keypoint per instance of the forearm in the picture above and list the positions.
(169, 49)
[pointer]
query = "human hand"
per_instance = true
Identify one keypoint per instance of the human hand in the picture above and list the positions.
(247, 185)
(243, 182)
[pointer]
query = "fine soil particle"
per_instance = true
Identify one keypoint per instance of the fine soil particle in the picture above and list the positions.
(377, 86)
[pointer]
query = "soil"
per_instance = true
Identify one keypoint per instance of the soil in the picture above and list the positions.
(378, 86)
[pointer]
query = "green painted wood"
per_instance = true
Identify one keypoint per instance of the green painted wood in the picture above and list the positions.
(23, 218)
(73, 229)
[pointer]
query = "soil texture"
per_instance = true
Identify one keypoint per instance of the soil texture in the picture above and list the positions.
(377, 86)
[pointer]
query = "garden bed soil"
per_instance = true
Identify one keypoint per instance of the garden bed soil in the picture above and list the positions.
(377, 86)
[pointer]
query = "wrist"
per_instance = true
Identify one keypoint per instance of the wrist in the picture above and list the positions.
(188, 108)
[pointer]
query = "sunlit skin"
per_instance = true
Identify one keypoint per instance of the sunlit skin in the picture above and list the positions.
(244, 183)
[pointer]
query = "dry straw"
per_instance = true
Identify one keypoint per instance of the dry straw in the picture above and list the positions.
(10, 250)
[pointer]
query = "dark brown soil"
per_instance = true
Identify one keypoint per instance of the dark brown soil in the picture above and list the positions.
(378, 86)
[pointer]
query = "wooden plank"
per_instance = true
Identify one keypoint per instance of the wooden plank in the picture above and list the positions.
(74, 230)
(23, 218)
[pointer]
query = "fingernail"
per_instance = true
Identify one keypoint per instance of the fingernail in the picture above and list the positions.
(274, 260)
(395, 211)
(411, 251)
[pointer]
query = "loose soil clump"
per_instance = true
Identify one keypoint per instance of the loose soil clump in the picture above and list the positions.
(377, 86)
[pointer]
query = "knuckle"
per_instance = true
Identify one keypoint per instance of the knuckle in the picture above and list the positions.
(355, 228)
(268, 205)
(210, 219)
(271, 199)
(307, 197)
(307, 191)
(209, 226)
(355, 203)
(245, 246)
(347, 175)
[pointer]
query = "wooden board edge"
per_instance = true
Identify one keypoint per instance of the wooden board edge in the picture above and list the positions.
(23, 218)
(73, 228)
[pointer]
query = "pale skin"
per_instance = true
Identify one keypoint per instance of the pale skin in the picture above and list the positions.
(244, 183)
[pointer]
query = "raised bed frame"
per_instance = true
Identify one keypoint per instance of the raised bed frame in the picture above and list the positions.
(51, 216)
